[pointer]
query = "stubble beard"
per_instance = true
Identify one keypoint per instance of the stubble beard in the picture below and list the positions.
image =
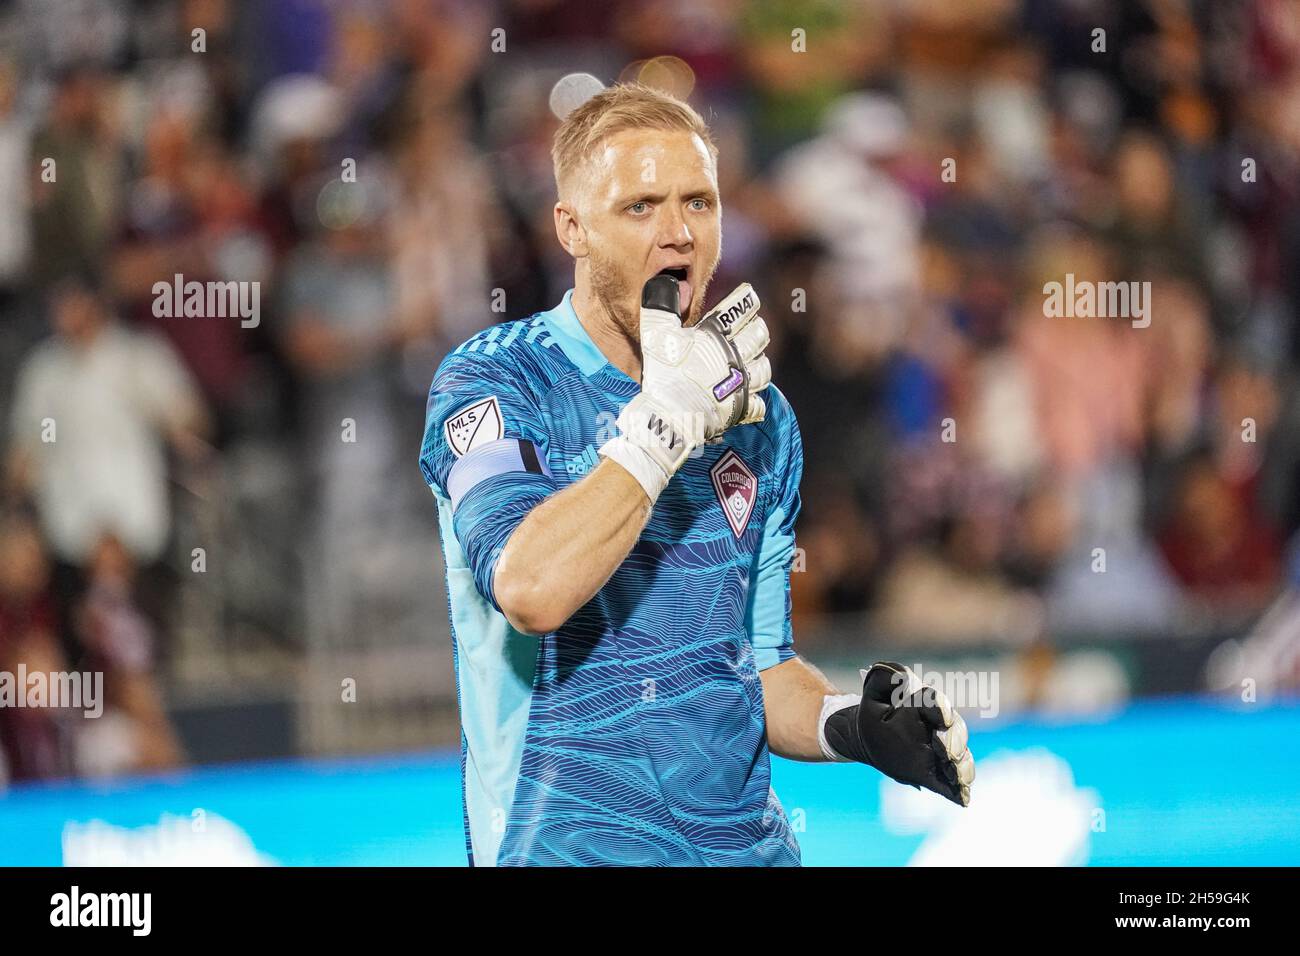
(613, 290)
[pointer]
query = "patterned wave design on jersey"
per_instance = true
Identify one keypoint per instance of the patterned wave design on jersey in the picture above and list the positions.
(648, 760)
(674, 591)
(666, 728)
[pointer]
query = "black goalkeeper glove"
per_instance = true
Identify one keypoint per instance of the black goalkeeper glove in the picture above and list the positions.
(905, 729)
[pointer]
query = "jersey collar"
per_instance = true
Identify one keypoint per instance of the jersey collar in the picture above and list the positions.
(564, 325)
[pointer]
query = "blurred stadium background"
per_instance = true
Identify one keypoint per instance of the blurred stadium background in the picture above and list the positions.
(1146, 706)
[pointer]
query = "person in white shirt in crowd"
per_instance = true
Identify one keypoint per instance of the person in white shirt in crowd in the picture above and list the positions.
(95, 409)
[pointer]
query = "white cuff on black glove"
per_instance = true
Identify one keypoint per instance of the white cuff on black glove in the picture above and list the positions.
(904, 728)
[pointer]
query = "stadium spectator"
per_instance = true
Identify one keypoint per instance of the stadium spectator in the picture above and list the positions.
(96, 408)
(33, 743)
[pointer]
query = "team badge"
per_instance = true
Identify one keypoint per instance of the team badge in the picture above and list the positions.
(737, 490)
(474, 426)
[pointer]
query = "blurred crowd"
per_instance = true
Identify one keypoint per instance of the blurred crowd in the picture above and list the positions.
(899, 179)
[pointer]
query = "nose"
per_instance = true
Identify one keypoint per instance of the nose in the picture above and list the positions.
(673, 230)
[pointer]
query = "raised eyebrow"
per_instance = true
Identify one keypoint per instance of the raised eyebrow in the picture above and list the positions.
(624, 201)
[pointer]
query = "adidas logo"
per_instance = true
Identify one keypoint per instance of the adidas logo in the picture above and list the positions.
(581, 464)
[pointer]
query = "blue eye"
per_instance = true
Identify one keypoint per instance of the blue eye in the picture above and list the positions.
(633, 208)
(703, 204)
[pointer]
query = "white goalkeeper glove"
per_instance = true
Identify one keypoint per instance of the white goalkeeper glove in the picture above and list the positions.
(904, 728)
(696, 382)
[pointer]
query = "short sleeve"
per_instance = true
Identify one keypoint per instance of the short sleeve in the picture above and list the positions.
(164, 387)
(768, 612)
(484, 452)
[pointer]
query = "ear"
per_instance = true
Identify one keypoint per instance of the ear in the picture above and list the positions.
(570, 232)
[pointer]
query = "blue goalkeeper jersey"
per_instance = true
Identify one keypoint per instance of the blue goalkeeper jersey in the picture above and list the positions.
(635, 733)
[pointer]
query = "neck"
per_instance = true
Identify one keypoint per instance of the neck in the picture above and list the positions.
(83, 339)
(619, 348)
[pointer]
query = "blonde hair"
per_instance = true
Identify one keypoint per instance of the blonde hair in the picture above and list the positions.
(616, 108)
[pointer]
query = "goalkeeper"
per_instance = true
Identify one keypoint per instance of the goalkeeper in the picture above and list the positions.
(617, 485)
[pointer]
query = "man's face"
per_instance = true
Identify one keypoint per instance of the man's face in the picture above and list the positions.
(75, 313)
(650, 202)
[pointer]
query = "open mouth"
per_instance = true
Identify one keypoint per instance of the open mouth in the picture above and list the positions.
(682, 275)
